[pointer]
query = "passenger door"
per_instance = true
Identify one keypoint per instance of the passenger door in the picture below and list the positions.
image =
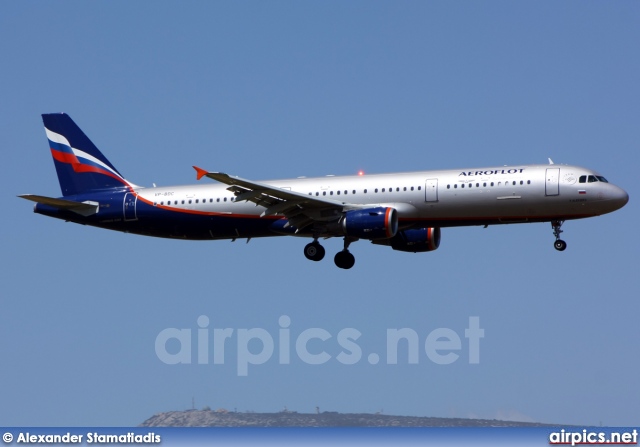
(552, 183)
(431, 190)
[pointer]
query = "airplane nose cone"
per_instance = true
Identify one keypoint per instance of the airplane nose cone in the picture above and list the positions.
(620, 197)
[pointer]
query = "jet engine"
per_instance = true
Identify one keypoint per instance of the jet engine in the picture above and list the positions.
(371, 223)
(415, 241)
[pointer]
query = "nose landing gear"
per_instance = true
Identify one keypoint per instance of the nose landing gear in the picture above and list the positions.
(559, 244)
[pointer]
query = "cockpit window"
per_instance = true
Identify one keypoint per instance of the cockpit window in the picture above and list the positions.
(592, 179)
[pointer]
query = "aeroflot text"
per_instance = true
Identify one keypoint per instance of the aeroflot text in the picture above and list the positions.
(491, 172)
(256, 346)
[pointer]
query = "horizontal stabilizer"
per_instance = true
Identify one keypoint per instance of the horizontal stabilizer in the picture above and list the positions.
(83, 208)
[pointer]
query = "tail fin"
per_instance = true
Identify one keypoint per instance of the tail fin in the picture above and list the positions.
(81, 167)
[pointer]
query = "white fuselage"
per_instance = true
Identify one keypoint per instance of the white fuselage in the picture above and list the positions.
(506, 194)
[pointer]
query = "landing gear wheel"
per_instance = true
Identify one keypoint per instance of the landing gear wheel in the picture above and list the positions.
(314, 251)
(560, 245)
(344, 259)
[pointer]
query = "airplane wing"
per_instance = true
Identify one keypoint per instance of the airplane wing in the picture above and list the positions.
(301, 210)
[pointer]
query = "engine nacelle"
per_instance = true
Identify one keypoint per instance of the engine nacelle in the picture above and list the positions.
(371, 223)
(415, 241)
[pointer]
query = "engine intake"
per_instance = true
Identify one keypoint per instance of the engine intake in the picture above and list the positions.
(371, 223)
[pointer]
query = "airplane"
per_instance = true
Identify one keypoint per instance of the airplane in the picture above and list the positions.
(404, 211)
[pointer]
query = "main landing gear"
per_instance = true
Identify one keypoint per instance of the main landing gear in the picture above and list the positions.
(559, 244)
(314, 251)
(343, 259)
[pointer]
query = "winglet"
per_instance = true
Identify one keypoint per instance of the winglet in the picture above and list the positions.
(200, 172)
(550, 161)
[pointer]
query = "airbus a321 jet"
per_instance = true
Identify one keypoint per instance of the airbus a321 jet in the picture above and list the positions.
(403, 211)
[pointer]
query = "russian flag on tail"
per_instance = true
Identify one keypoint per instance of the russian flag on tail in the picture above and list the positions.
(81, 167)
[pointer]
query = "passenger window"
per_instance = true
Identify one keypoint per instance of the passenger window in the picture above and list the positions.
(376, 190)
(412, 188)
(528, 182)
(331, 193)
(382, 189)
(365, 191)
(404, 189)
(419, 188)
(491, 183)
(324, 193)
(462, 186)
(455, 186)
(354, 191)
(448, 186)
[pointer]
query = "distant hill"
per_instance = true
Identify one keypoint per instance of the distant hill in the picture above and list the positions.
(223, 418)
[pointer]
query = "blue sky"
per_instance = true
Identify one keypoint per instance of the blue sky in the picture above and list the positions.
(285, 89)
